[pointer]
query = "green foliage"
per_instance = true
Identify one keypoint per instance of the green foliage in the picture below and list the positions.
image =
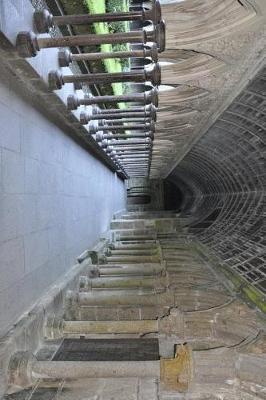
(117, 5)
(110, 65)
(114, 6)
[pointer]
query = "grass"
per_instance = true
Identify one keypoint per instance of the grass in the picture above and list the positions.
(101, 6)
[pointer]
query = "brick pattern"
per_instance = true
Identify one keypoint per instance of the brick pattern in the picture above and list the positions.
(223, 182)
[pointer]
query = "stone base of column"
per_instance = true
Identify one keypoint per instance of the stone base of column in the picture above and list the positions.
(27, 44)
(55, 80)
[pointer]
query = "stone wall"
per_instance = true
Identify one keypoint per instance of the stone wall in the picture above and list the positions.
(223, 183)
(55, 200)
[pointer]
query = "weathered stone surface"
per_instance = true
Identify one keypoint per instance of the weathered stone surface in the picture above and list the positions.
(213, 51)
(225, 354)
(228, 191)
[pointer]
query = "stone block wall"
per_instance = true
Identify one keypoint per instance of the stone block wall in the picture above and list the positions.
(55, 200)
(223, 183)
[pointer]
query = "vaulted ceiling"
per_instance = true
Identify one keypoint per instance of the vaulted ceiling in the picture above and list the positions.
(213, 49)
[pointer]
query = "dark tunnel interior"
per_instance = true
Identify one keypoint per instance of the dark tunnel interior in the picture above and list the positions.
(222, 181)
(173, 196)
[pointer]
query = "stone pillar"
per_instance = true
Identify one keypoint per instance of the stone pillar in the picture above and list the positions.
(28, 44)
(106, 126)
(119, 114)
(130, 154)
(172, 324)
(132, 269)
(108, 298)
(146, 236)
(149, 97)
(44, 20)
(103, 136)
(56, 79)
(117, 143)
(129, 148)
(58, 328)
(132, 252)
(132, 259)
(25, 370)
(133, 246)
(147, 110)
(65, 57)
(86, 283)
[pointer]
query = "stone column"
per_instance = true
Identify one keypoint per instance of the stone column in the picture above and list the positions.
(99, 137)
(126, 142)
(122, 120)
(58, 328)
(28, 44)
(44, 20)
(126, 163)
(129, 148)
(94, 127)
(132, 252)
(131, 269)
(136, 172)
(65, 57)
(138, 162)
(147, 110)
(149, 97)
(132, 297)
(119, 114)
(175, 374)
(86, 284)
(56, 79)
(132, 259)
(188, 327)
(146, 236)
(133, 246)
(131, 156)
(135, 165)
(25, 370)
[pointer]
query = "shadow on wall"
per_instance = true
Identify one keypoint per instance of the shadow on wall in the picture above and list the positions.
(222, 180)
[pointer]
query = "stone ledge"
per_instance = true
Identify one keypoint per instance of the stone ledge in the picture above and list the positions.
(31, 79)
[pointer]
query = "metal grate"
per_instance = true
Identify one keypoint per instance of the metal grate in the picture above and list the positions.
(108, 350)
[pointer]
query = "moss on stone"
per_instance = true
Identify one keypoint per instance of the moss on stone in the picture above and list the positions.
(240, 285)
